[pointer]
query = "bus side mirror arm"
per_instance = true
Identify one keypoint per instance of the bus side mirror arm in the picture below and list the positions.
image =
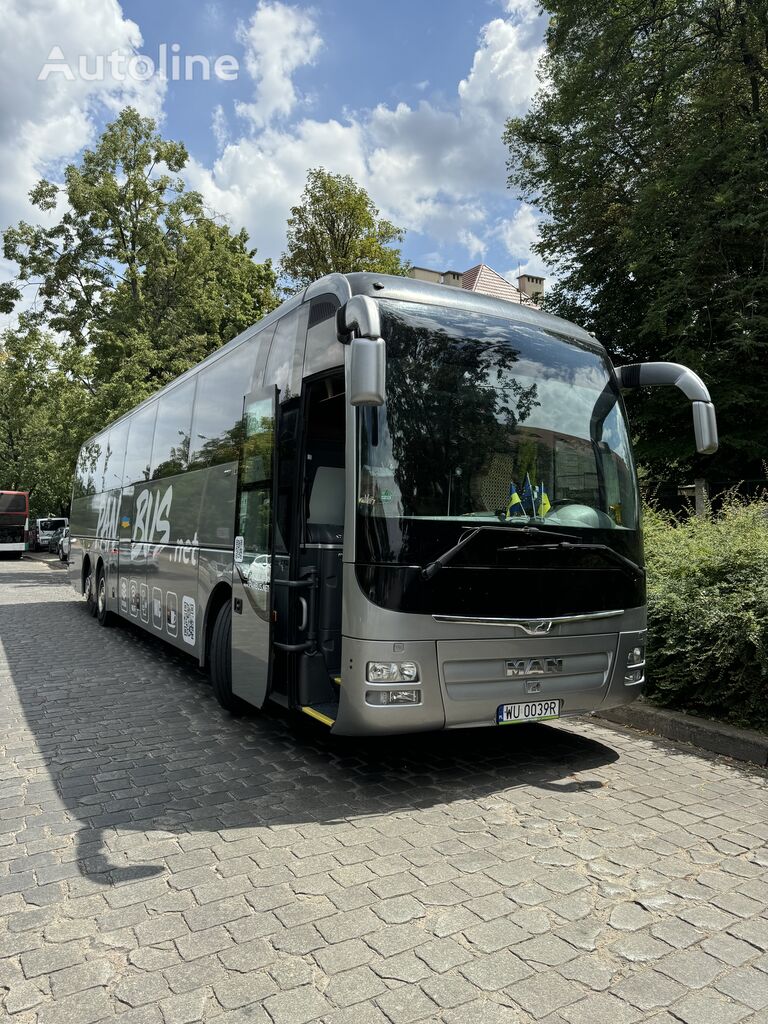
(643, 375)
(359, 326)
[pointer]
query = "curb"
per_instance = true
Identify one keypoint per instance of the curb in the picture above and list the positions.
(717, 737)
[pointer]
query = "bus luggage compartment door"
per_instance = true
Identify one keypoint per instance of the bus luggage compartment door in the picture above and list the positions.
(252, 590)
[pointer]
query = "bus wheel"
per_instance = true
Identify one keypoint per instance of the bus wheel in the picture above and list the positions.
(103, 615)
(221, 661)
(90, 592)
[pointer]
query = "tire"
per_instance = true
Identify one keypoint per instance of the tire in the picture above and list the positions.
(89, 589)
(221, 661)
(102, 613)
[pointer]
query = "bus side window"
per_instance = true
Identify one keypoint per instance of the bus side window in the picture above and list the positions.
(115, 456)
(217, 419)
(286, 355)
(170, 450)
(139, 447)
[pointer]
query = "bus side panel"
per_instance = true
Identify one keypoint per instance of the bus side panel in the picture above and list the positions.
(158, 557)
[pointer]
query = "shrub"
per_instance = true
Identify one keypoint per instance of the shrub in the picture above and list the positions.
(708, 612)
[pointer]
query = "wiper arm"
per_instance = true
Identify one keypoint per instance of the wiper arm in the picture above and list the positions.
(429, 570)
(447, 556)
(631, 567)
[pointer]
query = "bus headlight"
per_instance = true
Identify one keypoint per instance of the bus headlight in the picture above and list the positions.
(634, 670)
(392, 672)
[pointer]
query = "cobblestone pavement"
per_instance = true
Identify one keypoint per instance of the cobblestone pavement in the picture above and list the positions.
(166, 863)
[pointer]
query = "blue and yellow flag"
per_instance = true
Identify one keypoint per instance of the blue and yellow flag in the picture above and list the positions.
(514, 505)
(543, 504)
(528, 497)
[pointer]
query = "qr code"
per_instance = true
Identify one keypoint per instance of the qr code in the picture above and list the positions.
(188, 620)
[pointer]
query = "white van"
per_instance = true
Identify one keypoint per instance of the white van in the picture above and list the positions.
(43, 529)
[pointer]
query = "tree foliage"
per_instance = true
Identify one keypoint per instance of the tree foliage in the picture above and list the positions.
(336, 228)
(647, 151)
(135, 280)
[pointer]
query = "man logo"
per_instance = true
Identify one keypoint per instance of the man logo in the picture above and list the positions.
(534, 666)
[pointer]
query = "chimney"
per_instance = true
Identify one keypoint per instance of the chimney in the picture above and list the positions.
(531, 286)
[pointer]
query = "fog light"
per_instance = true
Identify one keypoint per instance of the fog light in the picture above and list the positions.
(634, 675)
(391, 672)
(389, 697)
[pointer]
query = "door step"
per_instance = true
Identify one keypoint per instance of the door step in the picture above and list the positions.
(325, 713)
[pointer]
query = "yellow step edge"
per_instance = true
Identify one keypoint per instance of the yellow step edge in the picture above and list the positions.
(337, 680)
(319, 716)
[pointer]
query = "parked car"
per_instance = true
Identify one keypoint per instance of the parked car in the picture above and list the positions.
(41, 531)
(62, 545)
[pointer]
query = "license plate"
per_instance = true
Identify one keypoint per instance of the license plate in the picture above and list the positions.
(527, 711)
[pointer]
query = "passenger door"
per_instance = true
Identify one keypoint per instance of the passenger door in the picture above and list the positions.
(252, 601)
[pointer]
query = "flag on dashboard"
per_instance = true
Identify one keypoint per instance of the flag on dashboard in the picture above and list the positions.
(528, 496)
(514, 505)
(543, 503)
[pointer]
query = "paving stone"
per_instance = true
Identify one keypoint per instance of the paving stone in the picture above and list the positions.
(546, 949)
(51, 958)
(93, 974)
(493, 935)
(731, 951)
(406, 1004)
(691, 967)
(603, 1008)
(709, 1007)
(649, 990)
(403, 967)
(483, 1011)
(543, 993)
(23, 996)
(449, 990)
(243, 990)
(142, 988)
(748, 986)
(442, 954)
(83, 1008)
(297, 1006)
(354, 986)
(495, 971)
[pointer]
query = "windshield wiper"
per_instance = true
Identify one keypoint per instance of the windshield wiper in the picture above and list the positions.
(626, 563)
(447, 556)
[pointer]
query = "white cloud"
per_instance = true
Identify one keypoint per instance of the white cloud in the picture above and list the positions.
(431, 169)
(219, 126)
(278, 40)
(476, 247)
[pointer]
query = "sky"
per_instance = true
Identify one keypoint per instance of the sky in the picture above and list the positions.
(409, 97)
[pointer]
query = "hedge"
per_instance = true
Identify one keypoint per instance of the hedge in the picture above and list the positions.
(708, 612)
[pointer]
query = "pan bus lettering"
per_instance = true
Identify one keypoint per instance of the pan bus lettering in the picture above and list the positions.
(152, 528)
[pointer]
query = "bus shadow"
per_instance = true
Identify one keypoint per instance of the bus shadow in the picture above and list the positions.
(132, 741)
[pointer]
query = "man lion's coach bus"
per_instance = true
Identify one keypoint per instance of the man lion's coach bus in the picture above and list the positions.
(391, 505)
(14, 523)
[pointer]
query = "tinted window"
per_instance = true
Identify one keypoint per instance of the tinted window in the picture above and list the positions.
(216, 424)
(137, 457)
(90, 467)
(170, 451)
(285, 356)
(13, 503)
(115, 457)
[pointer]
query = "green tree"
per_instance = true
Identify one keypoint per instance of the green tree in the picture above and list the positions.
(336, 228)
(136, 278)
(647, 151)
(42, 418)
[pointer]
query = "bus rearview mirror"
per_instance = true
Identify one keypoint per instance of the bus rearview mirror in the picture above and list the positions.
(705, 427)
(368, 364)
(643, 375)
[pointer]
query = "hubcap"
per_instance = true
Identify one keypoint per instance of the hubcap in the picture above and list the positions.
(102, 595)
(88, 587)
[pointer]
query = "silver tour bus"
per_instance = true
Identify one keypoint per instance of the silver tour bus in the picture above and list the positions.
(391, 505)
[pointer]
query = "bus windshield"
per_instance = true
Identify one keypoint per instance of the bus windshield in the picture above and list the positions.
(489, 420)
